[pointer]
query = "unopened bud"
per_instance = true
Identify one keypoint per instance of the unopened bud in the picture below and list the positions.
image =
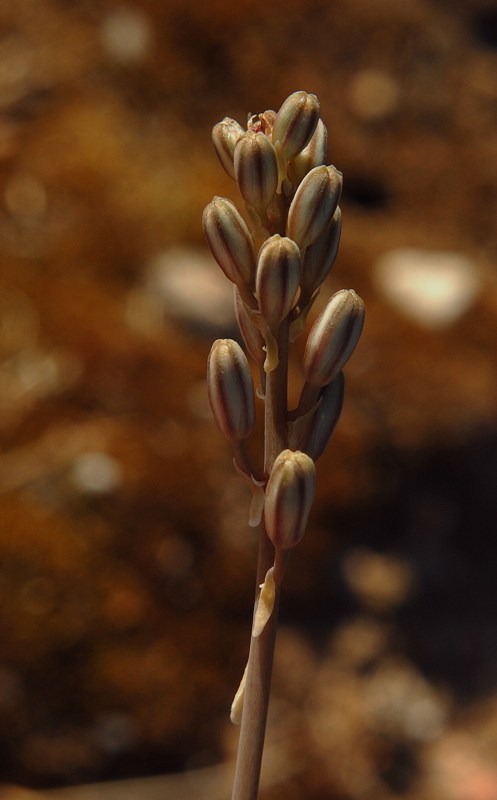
(256, 170)
(295, 123)
(252, 336)
(229, 240)
(289, 495)
(230, 389)
(225, 136)
(314, 204)
(333, 337)
(325, 418)
(320, 256)
(313, 155)
(277, 278)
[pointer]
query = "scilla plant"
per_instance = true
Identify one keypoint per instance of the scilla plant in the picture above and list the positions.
(277, 256)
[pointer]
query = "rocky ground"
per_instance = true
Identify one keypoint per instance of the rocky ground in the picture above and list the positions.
(126, 565)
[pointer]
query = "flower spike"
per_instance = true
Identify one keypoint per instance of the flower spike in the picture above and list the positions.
(278, 253)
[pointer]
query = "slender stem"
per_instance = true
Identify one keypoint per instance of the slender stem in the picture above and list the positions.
(260, 662)
(275, 427)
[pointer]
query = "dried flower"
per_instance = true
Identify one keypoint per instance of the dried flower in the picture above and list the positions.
(333, 337)
(277, 278)
(230, 389)
(256, 170)
(225, 136)
(289, 495)
(313, 205)
(229, 240)
(262, 123)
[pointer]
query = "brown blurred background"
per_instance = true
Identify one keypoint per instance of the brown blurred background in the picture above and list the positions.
(126, 564)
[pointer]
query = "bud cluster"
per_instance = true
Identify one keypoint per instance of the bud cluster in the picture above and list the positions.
(278, 255)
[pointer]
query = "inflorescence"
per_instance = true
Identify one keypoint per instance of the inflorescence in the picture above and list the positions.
(278, 263)
(277, 256)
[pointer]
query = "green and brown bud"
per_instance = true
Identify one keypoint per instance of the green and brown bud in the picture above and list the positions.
(313, 155)
(289, 495)
(230, 389)
(325, 418)
(225, 136)
(320, 256)
(277, 278)
(230, 241)
(295, 123)
(256, 170)
(313, 205)
(333, 337)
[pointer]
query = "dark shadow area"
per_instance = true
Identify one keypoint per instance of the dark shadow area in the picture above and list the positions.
(484, 26)
(440, 516)
(366, 193)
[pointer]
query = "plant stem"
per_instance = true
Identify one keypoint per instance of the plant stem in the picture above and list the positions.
(260, 661)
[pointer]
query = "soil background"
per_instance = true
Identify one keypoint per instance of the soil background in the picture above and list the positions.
(126, 563)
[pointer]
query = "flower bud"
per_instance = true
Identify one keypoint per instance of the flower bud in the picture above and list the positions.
(256, 170)
(252, 336)
(295, 123)
(313, 155)
(230, 389)
(333, 337)
(325, 418)
(289, 496)
(225, 136)
(277, 278)
(320, 256)
(229, 240)
(313, 205)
